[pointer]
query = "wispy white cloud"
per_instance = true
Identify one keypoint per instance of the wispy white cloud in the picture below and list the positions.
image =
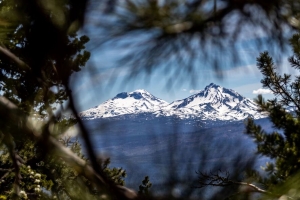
(184, 90)
(262, 91)
(194, 91)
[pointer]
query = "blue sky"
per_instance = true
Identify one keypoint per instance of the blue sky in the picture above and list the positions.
(104, 77)
(95, 86)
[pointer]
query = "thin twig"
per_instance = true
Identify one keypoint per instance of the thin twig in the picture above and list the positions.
(5, 175)
(14, 58)
(215, 179)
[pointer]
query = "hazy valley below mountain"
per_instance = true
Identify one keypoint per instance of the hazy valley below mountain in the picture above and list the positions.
(152, 146)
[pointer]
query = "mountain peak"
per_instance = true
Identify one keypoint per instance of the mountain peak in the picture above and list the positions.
(212, 85)
(136, 94)
(138, 101)
(140, 91)
(214, 102)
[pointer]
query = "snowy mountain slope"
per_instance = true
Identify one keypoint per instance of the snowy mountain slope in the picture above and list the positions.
(212, 103)
(138, 101)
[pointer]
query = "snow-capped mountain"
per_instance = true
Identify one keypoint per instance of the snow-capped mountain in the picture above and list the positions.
(212, 103)
(138, 101)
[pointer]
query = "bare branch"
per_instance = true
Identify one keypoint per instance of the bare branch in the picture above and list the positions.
(4, 170)
(217, 179)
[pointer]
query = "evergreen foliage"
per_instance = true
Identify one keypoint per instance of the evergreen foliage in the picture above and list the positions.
(116, 174)
(281, 145)
(39, 51)
(49, 177)
(145, 186)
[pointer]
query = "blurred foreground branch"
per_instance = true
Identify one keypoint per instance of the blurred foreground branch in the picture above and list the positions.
(9, 112)
(14, 58)
(191, 34)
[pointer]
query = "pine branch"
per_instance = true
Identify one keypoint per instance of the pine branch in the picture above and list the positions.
(294, 62)
(95, 167)
(9, 111)
(273, 81)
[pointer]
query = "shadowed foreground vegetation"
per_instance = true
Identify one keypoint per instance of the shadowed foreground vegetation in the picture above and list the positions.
(41, 48)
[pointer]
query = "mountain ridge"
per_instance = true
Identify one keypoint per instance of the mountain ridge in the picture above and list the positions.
(136, 102)
(212, 103)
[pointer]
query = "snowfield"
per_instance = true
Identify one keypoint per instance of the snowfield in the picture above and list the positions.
(212, 103)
